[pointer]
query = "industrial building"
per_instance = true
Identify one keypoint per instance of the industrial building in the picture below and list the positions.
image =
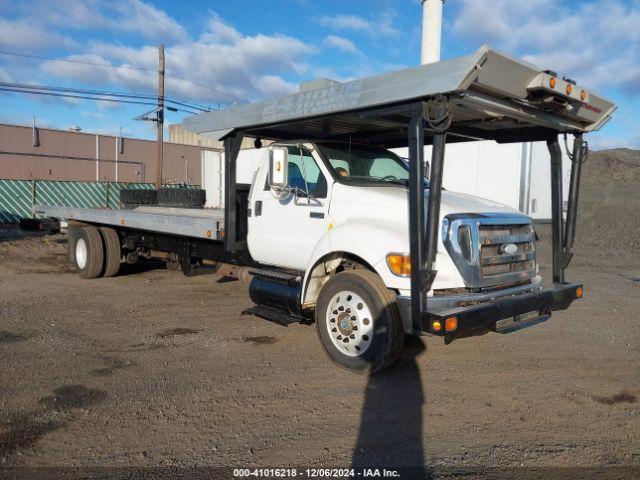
(29, 153)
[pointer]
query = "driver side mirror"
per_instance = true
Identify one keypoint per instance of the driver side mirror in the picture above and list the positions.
(278, 167)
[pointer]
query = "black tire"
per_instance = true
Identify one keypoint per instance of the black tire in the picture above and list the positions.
(90, 263)
(387, 332)
(181, 197)
(112, 251)
(130, 198)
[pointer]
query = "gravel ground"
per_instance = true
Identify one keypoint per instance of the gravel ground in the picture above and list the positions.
(153, 369)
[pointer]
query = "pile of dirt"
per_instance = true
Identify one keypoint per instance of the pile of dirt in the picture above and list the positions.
(609, 211)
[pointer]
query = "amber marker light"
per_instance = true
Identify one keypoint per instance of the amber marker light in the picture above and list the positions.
(583, 95)
(399, 264)
(451, 324)
(552, 82)
(569, 89)
(436, 325)
(579, 292)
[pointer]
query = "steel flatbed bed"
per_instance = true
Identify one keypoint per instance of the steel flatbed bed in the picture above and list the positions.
(188, 222)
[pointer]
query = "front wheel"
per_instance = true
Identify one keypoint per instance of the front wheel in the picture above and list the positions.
(358, 321)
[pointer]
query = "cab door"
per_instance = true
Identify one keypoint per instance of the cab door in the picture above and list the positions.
(285, 231)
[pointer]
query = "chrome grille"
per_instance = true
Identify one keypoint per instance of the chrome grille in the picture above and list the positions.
(493, 261)
(503, 248)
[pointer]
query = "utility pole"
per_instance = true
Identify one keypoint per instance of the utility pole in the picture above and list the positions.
(160, 114)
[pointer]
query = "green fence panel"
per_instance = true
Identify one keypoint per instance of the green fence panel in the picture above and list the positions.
(15, 200)
(18, 196)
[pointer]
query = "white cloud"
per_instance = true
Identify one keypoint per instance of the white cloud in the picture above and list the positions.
(341, 43)
(597, 42)
(138, 16)
(135, 16)
(221, 60)
(380, 26)
(22, 35)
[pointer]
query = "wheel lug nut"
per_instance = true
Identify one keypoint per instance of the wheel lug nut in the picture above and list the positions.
(352, 336)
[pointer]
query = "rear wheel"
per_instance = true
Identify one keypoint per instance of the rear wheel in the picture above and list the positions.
(112, 252)
(358, 321)
(88, 252)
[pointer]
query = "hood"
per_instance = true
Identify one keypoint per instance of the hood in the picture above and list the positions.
(390, 201)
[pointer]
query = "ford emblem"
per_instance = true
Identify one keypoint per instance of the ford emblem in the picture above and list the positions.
(509, 248)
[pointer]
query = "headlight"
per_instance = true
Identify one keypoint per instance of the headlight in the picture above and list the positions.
(464, 240)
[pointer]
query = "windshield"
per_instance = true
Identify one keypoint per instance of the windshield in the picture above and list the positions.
(358, 164)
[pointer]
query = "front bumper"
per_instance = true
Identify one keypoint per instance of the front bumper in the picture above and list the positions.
(483, 315)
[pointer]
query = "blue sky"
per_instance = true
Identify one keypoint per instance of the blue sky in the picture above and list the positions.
(223, 51)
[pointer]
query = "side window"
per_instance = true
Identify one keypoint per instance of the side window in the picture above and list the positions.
(304, 173)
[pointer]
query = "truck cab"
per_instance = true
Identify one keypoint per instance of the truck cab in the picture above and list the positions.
(343, 206)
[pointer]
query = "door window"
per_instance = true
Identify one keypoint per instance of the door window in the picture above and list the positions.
(305, 174)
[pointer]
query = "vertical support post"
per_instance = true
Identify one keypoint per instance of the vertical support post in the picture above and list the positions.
(231, 149)
(525, 178)
(35, 134)
(556, 209)
(33, 197)
(416, 211)
(97, 158)
(579, 150)
(435, 194)
(117, 158)
(160, 115)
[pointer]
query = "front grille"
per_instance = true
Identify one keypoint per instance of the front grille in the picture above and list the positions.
(494, 261)
(502, 249)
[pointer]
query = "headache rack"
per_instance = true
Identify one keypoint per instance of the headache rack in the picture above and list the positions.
(483, 96)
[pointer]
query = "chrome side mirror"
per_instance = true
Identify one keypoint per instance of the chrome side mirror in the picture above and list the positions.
(278, 168)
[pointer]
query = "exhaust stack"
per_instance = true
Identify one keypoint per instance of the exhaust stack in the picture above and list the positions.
(431, 30)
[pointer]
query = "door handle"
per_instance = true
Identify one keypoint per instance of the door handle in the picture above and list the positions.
(316, 215)
(258, 208)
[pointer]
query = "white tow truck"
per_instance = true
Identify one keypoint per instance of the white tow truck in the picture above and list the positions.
(338, 229)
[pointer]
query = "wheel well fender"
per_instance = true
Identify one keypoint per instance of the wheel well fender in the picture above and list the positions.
(322, 270)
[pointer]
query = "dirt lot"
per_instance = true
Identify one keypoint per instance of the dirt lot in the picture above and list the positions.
(152, 369)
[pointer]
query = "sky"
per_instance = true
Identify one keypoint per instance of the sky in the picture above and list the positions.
(224, 52)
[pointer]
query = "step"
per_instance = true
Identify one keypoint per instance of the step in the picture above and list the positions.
(274, 315)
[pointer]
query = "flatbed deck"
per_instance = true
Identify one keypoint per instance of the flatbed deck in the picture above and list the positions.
(189, 222)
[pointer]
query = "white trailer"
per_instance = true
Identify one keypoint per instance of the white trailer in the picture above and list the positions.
(513, 174)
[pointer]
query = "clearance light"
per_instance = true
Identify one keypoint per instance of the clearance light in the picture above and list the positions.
(579, 292)
(399, 264)
(583, 95)
(451, 324)
(569, 89)
(436, 325)
(552, 82)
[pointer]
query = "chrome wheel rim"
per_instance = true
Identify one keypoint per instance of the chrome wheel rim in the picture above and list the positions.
(81, 253)
(349, 323)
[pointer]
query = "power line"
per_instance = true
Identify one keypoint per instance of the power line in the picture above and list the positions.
(145, 96)
(87, 97)
(108, 65)
(69, 60)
